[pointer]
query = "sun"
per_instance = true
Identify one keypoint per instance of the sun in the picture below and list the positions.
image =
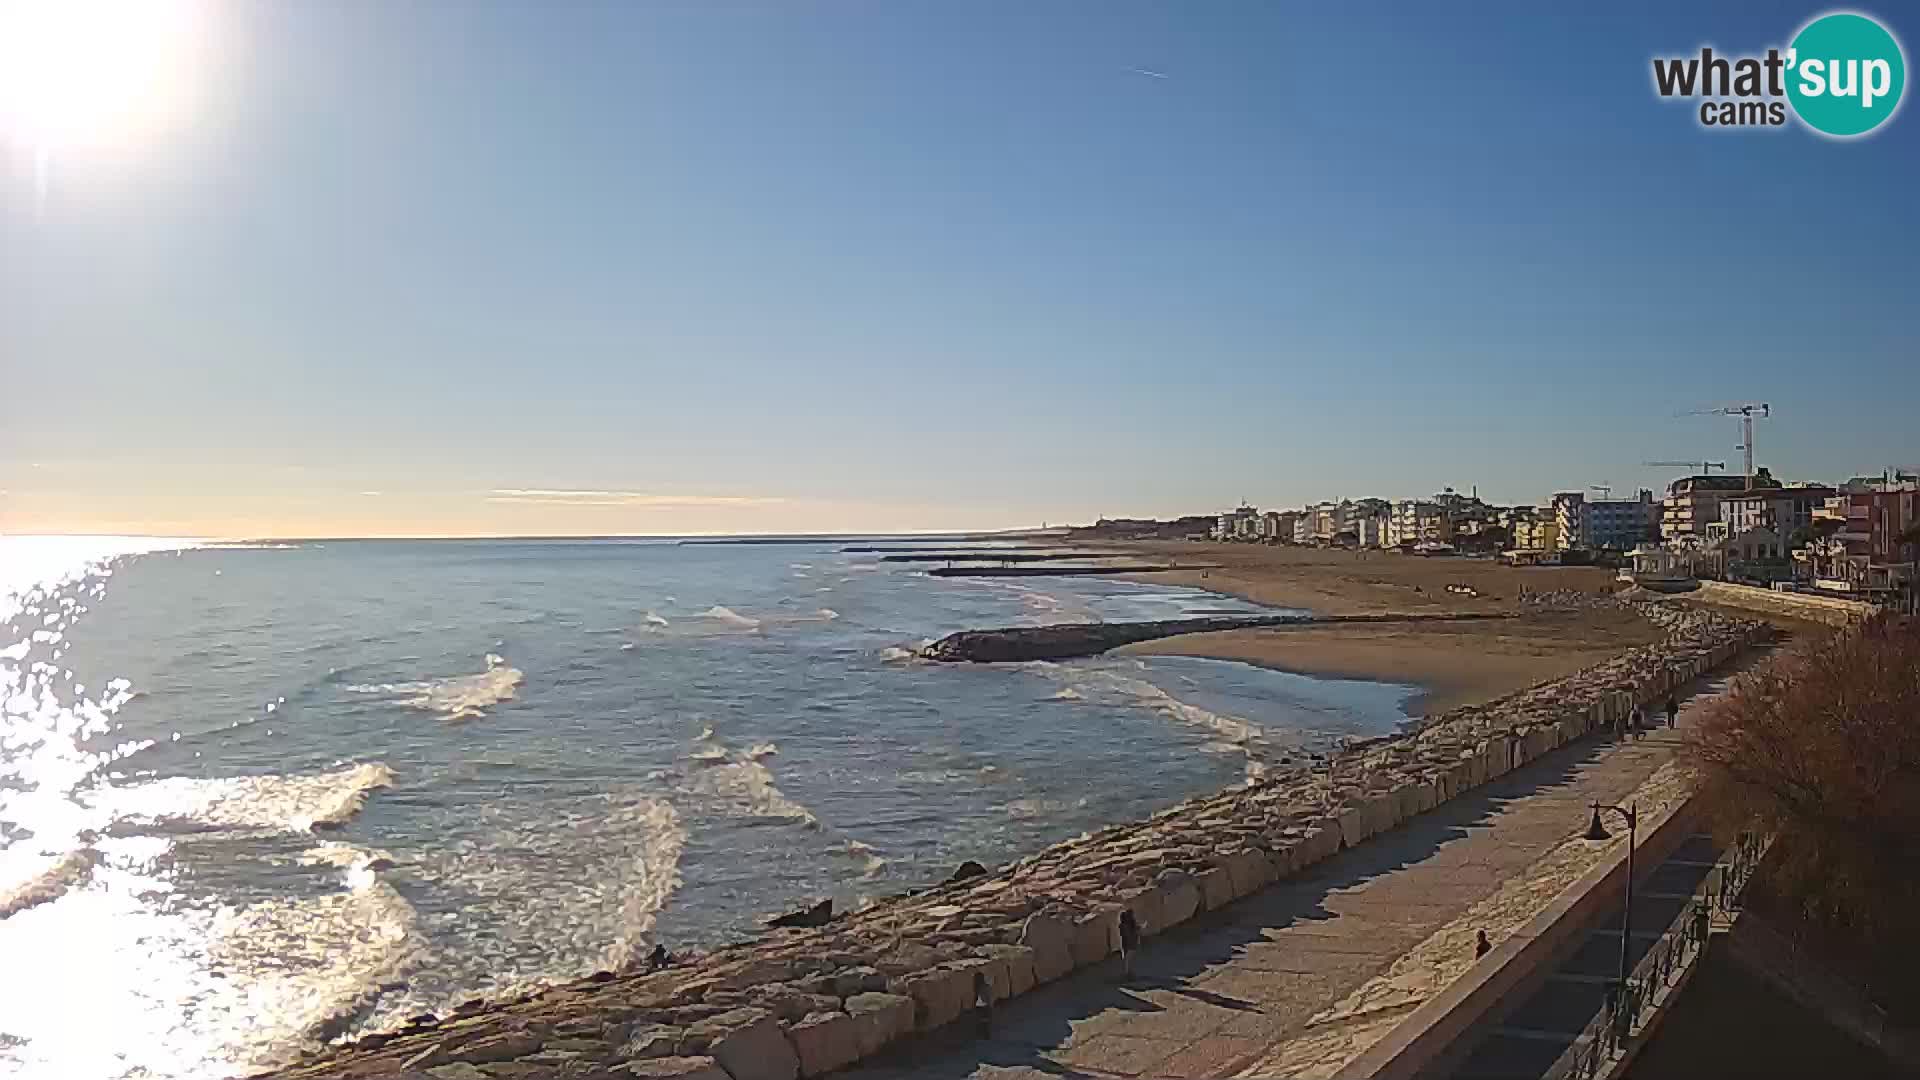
(85, 75)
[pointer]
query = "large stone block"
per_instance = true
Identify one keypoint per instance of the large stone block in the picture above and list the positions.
(1179, 899)
(1050, 939)
(1216, 887)
(1322, 841)
(825, 1042)
(749, 1044)
(880, 1019)
(1355, 825)
(1094, 935)
(1144, 902)
(994, 970)
(1249, 870)
(939, 996)
(1018, 960)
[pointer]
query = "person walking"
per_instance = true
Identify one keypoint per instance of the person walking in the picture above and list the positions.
(1673, 710)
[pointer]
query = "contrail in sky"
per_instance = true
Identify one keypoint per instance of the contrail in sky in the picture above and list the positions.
(1148, 74)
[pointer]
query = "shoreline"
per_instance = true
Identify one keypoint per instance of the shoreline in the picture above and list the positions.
(1453, 664)
(845, 990)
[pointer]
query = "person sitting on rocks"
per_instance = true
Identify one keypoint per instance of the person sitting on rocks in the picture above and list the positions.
(659, 958)
(1481, 946)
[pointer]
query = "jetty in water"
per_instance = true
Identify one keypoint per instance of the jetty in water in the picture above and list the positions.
(1063, 571)
(994, 556)
(1063, 641)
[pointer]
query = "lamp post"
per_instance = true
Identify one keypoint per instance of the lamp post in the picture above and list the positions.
(1597, 831)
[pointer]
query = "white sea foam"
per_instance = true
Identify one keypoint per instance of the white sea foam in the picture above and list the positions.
(731, 617)
(296, 968)
(656, 619)
(348, 857)
(599, 869)
(1031, 809)
(264, 803)
(458, 697)
(871, 861)
(1230, 734)
(742, 781)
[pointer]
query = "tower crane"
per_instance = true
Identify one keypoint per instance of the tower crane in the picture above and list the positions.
(1703, 467)
(1746, 413)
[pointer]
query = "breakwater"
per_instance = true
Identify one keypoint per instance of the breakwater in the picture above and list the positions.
(1062, 641)
(1060, 571)
(804, 1002)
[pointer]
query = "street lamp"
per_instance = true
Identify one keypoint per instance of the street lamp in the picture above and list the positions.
(1597, 831)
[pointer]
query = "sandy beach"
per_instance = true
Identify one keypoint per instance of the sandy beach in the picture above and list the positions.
(1456, 663)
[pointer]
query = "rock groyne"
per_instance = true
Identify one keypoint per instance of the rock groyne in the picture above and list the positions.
(806, 1002)
(1062, 641)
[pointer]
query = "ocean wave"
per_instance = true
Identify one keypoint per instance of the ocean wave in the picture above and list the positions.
(54, 876)
(600, 869)
(722, 613)
(1031, 809)
(458, 697)
(741, 780)
(904, 654)
(294, 804)
(1229, 734)
(348, 857)
(871, 861)
(297, 971)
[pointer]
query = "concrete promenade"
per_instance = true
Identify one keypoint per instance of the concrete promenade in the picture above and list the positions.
(1299, 979)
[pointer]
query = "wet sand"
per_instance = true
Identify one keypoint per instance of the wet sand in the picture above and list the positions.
(1456, 663)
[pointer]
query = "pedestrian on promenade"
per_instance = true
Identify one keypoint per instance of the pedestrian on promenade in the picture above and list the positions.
(1129, 941)
(1481, 946)
(1673, 710)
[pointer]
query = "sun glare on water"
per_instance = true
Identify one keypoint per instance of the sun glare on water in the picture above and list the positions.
(86, 76)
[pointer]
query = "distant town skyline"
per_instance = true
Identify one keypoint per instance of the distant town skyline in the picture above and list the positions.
(455, 269)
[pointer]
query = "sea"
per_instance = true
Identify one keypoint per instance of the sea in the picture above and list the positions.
(254, 798)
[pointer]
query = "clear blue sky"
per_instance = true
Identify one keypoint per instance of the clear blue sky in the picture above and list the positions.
(878, 265)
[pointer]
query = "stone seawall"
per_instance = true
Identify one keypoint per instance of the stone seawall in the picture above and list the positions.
(807, 1002)
(1831, 610)
(1062, 641)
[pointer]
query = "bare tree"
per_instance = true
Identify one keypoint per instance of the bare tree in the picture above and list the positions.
(1822, 748)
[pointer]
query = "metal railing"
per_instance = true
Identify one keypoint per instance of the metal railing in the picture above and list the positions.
(1606, 1036)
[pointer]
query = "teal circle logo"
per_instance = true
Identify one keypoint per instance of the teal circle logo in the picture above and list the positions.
(1845, 74)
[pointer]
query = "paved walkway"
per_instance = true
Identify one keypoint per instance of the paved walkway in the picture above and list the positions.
(1301, 978)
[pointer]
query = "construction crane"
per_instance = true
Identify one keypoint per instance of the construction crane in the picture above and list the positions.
(1605, 490)
(1703, 467)
(1746, 413)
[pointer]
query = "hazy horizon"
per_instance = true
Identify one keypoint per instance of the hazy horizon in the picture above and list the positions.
(274, 270)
